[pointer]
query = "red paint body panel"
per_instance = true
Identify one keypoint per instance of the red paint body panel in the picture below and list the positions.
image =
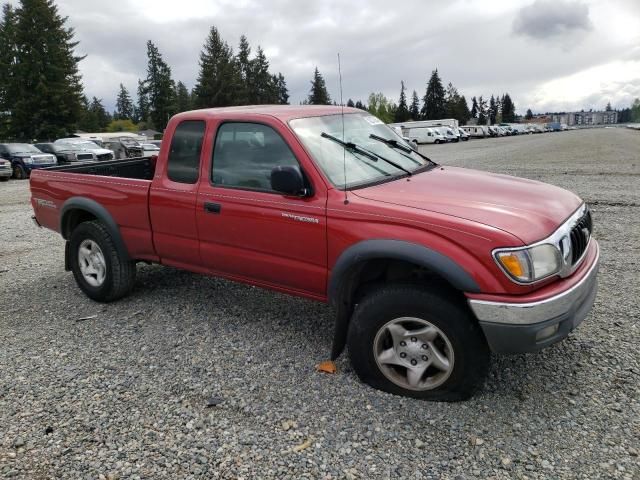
(291, 244)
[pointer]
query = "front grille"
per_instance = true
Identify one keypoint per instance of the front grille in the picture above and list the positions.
(84, 156)
(580, 235)
(42, 160)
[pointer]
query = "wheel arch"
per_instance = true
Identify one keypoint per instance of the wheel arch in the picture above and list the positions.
(364, 260)
(77, 210)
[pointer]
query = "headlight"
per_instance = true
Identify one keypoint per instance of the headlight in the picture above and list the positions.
(528, 265)
(27, 160)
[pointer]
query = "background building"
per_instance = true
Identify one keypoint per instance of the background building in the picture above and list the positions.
(587, 118)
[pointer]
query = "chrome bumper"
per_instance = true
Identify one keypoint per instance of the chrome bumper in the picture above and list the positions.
(528, 327)
(536, 312)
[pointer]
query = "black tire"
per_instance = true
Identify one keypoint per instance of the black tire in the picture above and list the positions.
(120, 273)
(381, 305)
(19, 172)
(4, 179)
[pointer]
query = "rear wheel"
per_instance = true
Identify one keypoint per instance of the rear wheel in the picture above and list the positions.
(19, 172)
(407, 340)
(99, 269)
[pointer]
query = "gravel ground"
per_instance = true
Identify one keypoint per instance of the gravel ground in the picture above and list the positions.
(194, 377)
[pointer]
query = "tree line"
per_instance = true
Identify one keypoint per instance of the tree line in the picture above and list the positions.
(437, 103)
(42, 96)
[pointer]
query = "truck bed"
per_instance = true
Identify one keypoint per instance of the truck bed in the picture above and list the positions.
(141, 168)
(120, 187)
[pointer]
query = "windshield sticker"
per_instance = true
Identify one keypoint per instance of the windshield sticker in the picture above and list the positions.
(373, 120)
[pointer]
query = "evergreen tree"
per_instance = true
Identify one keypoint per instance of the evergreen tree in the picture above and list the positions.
(608, 107)
(402, 112)
(508, 109)
(141, 111)
(493, 110)
(219, 81)
(98, 112)
(474, 107)
(433, 107)
(45, 86)
(529, 114)
(124, 105)
(244, 71)
(7, 66)
(159, 87)
(361, 105)
(414, 108)
(262, 88)
(482, 111)
(463, 114)
(282, 97)
(350, 103)
(318, 94)
(183, 98)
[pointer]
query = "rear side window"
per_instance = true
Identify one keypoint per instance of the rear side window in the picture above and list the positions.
(184, 154)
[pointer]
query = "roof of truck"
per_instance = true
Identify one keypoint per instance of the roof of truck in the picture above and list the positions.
(282, 112)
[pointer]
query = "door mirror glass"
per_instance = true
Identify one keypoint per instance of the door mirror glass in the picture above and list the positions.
(288, 179)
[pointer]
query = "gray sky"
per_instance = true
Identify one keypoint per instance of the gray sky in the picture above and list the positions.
(548, 54)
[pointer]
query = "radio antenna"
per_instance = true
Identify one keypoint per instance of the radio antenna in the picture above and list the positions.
(344, 149)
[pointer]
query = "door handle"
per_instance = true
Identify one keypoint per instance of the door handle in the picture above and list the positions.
(211, 207)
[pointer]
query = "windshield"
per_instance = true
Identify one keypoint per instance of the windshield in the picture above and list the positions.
(22, 148)
(360, 168)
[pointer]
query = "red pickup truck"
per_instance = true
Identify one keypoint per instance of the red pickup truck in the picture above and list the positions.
(428, 268)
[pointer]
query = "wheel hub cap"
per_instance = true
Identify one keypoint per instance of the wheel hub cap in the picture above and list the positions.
(92, 263)
(413, 353)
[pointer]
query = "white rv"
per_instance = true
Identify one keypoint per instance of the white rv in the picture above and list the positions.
(476, 131)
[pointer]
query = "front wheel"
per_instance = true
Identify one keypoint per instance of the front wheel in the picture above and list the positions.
(19, 173)
(411, 341)
(100, 270)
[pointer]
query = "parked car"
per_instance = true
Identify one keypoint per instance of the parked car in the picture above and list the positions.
(24, 158)
(428, 267)
(66, 152)
(124, 147)
(101, 154)
(149, 149)
(5, 170)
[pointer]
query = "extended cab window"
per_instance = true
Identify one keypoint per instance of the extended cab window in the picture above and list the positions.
(184, 155)
(245, 154)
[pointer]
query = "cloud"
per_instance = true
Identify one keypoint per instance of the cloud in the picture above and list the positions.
(471, 42)
(551, 19)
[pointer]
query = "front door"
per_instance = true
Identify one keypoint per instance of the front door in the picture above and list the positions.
(250, 232)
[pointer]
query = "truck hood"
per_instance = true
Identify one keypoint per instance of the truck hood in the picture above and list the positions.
(528, 209)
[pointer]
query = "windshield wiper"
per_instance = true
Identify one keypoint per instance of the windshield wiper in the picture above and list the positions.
(398, 146)
(363, 151)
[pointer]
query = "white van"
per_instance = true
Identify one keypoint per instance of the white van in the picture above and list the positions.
(425, 135)
(476, 131)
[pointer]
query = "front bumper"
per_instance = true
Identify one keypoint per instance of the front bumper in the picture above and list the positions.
(531, 326)
(6, 172)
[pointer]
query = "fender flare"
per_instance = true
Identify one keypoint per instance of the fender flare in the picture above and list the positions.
(98, 211)
(420, 255)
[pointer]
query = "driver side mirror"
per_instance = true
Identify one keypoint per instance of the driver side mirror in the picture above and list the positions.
(288, 180)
